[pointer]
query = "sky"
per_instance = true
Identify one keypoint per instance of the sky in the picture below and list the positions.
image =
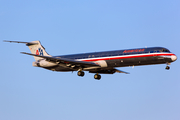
(70, 27)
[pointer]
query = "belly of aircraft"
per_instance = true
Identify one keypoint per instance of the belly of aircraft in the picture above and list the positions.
(137, 61)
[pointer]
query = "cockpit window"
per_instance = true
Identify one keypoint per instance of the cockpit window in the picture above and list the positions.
(165, 50)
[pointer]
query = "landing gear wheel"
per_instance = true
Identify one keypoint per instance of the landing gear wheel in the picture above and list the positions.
(80, 73)
(96, 76)
(167, 67)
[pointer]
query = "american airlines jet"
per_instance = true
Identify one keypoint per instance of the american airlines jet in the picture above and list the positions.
(98, 62)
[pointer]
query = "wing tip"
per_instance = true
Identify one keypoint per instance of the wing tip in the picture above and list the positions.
(6, 41)
(120, 71)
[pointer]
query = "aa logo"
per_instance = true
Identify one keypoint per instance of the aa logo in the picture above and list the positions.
(39, 52)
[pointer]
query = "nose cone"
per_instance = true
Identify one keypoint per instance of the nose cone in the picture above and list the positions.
(173, 57)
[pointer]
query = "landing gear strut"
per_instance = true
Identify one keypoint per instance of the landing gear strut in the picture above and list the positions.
(80, 73)
(96, 76)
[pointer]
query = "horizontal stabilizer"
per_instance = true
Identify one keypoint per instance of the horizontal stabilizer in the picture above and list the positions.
(27, 43)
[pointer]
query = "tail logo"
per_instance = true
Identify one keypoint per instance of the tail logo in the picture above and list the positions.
(39, 52)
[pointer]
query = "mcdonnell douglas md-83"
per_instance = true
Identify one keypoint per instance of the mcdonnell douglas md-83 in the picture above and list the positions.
(98, 62)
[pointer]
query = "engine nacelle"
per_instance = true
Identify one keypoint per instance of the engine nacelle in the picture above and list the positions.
(44, 63)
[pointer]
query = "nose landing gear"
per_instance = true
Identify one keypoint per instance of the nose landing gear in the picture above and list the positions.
(167, 67)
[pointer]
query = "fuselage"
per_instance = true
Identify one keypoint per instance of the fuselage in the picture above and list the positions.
(123, 58)
(98, 62)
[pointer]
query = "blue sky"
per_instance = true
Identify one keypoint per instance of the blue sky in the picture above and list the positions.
(69, 27)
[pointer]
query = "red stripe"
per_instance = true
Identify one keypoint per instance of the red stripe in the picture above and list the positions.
(125, 57)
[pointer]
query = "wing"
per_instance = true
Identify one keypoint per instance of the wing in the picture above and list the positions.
(68, 62)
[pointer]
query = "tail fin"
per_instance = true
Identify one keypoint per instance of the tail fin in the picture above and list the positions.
(35, 48)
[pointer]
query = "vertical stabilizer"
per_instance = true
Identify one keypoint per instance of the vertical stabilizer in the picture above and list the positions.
(37, 49)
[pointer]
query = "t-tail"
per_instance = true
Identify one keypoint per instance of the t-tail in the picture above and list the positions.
(35, 48)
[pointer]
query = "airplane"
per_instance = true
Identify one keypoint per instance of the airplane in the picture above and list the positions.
(98, 62)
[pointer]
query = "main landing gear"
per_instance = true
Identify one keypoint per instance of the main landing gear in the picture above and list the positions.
(80, 73)
(96, 76)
